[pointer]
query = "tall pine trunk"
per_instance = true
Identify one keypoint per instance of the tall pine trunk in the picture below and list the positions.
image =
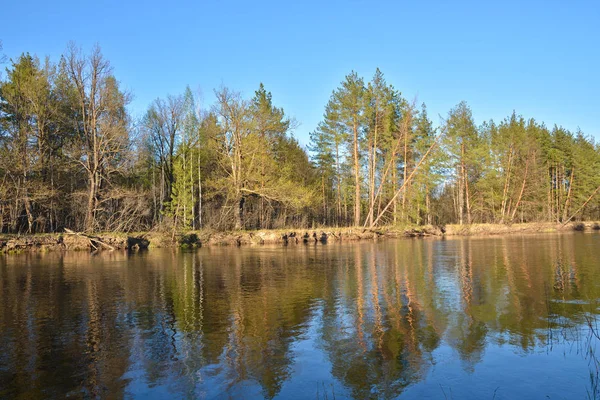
(372, 176)
(394, 185)
(356, 176)
(569, 192)
(505, 192)
(514, 211)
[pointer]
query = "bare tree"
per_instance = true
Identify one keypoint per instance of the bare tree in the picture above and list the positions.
(102, 124)
(163, 123)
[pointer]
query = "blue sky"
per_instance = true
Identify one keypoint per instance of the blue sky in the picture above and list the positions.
(540, 58)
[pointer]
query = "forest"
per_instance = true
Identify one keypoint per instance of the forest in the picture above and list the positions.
(71, 156)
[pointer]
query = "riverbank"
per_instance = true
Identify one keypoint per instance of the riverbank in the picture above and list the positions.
(532, 227)
(134, 241)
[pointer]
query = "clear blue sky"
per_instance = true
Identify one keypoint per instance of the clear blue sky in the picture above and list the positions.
(540, 58)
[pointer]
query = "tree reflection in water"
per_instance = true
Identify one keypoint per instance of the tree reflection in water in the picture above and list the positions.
(352, 320)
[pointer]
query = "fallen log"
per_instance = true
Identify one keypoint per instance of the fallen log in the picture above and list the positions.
(94, 240)
(582, 206)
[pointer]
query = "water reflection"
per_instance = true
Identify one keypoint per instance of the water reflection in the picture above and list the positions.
(354, 320)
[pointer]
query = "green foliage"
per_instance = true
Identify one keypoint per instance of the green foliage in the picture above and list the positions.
(71, 156)
(190, 240)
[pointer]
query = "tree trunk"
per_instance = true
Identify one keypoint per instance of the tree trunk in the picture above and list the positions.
(27, 204)
(408, 179)
(239, 213)
(372, 180)
(464, 189)
(557, 193)
(183, 192)
(356, 177)
(193, 203)
(427, 205)
(199, 195)
(568, 200)
(346, 208)
(506, 187)
(549, 194)
(405, 174)
(89, 218)
(324, 200)
(468, 199)
(338, 178)
(154, 204)
(582, 206)
(162, 191)
(460, 203)
(514, 211)
(394, 180)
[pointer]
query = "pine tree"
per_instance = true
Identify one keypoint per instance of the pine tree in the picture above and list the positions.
(348, 102)
(382, 109)
(461, 144)
(430, 175)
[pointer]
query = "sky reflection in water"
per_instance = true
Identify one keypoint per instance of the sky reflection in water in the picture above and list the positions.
(460, 318)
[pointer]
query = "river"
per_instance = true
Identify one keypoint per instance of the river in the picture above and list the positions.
(461, 318)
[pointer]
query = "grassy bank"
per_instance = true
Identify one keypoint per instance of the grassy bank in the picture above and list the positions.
(191, 239)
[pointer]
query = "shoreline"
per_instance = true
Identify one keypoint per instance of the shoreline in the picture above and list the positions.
(71, 241)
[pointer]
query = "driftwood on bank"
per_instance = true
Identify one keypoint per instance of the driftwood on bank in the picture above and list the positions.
(81, 241)
(95, 242)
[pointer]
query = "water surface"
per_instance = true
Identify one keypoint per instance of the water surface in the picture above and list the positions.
(466, 318)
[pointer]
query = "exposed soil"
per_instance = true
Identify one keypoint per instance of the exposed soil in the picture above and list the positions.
(123, 241)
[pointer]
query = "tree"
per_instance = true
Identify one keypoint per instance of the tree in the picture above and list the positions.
(348, 103)
(461, 144)
(584, 177)
(512, 148)
(70, 157)
(163, 123)
(321, 148)
(235, 124)
(270, 125)
(382, 114)
(28, 105)
(186, 166)
(102, 133)
(430, 176)
(327, 146)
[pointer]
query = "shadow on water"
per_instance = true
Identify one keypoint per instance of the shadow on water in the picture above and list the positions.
(454, 318)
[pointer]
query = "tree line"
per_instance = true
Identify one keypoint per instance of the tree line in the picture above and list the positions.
(72, 156)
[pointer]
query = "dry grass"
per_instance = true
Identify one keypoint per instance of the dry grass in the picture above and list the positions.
(532, 227)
